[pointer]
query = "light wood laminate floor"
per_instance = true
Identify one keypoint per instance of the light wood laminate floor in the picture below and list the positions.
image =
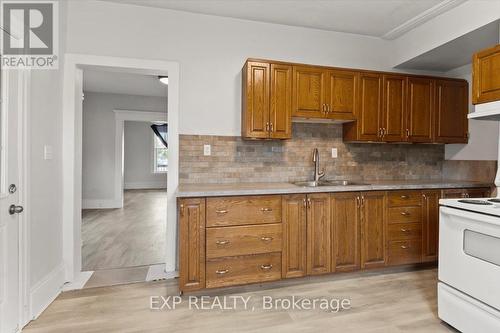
(130, 236)
(401, 301)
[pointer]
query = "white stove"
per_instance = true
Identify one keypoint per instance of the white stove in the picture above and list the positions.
(469, 264)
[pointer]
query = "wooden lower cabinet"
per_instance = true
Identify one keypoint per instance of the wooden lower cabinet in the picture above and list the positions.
(294, 256)
(318, 234)
(345, 217)
(250, 239)
(430, 225)
(191, 244)
(373, 221)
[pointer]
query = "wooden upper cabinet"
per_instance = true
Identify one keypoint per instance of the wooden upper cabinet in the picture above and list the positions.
(369, 107)
(294, 255)
(341, 89)
(486, 76)
(451, 108)
(373, 221)
(420, 109)
(281, 102)
(256, 92)
(394, 108)
(192, 244)
(308, 92)
(345, 231)
(318, 234)
(267, 101)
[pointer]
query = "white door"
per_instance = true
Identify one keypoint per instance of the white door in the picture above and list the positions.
(10, 209)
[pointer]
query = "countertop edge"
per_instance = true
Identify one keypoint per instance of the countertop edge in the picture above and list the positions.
(327, 189)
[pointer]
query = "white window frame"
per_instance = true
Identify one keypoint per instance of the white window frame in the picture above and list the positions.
(153, 157)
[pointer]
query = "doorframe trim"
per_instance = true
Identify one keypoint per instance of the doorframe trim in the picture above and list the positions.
(121, 116)
(72, 195)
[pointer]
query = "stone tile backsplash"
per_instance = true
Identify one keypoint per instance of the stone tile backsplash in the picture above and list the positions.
(236, 160)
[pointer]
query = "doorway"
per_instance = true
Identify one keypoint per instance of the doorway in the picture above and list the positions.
(124, 176)
(75, 66)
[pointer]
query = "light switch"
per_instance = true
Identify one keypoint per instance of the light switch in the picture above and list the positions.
(47, 152)
(334, 153)
(207, 150)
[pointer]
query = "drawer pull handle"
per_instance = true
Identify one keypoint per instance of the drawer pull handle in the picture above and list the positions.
(404, 247)
(222, 271)
(221, 211)
(222, 242)
(404, 196)
(265, 209)
(266, 267)
(405, 213)
(266, 239)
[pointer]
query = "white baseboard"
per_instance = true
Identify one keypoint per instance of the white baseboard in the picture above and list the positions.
(79, 282)
(145, 185)
(101, 203)
(45, 291)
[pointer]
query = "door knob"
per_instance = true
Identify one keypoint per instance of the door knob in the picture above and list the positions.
(13, 209)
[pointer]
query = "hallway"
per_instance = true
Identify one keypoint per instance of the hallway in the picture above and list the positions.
(131, 236)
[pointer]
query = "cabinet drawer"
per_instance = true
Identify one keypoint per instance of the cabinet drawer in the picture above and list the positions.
(243, 269)
(404, 252)
(240, 240)
(405, 198)
(405, 214)
(243, 210)
(404, 231)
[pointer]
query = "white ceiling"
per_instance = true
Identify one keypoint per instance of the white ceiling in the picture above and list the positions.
(122, 83)
(457, 52)
(379, 18)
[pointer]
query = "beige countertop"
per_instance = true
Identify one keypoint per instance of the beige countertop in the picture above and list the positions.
(211, 190)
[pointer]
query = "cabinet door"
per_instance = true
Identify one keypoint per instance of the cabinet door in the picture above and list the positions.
(394, 109)
(318, 234)
(430, 225)
(294, 255)
(345, 231)
(191, 244)
(451, 111)
(308, 92)
(486, 75)
(255, 117)
(341, 94)
(373, 210)
(370, 107)
(420, 109)
(281, 102)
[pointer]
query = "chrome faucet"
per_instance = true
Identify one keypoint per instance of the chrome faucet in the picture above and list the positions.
(317, 174)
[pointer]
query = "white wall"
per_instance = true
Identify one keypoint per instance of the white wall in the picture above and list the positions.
(44, 206)
(98, 167)
(211, 52)
(138, 151)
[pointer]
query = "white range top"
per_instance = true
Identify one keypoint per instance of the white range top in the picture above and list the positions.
(493, 209)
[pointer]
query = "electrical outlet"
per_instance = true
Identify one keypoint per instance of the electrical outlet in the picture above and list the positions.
(207, 150)
(334, 153)
(47, 152)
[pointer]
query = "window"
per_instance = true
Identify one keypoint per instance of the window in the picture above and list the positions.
(160, 156)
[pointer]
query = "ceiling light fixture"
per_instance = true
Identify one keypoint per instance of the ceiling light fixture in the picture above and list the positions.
(163, 79)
